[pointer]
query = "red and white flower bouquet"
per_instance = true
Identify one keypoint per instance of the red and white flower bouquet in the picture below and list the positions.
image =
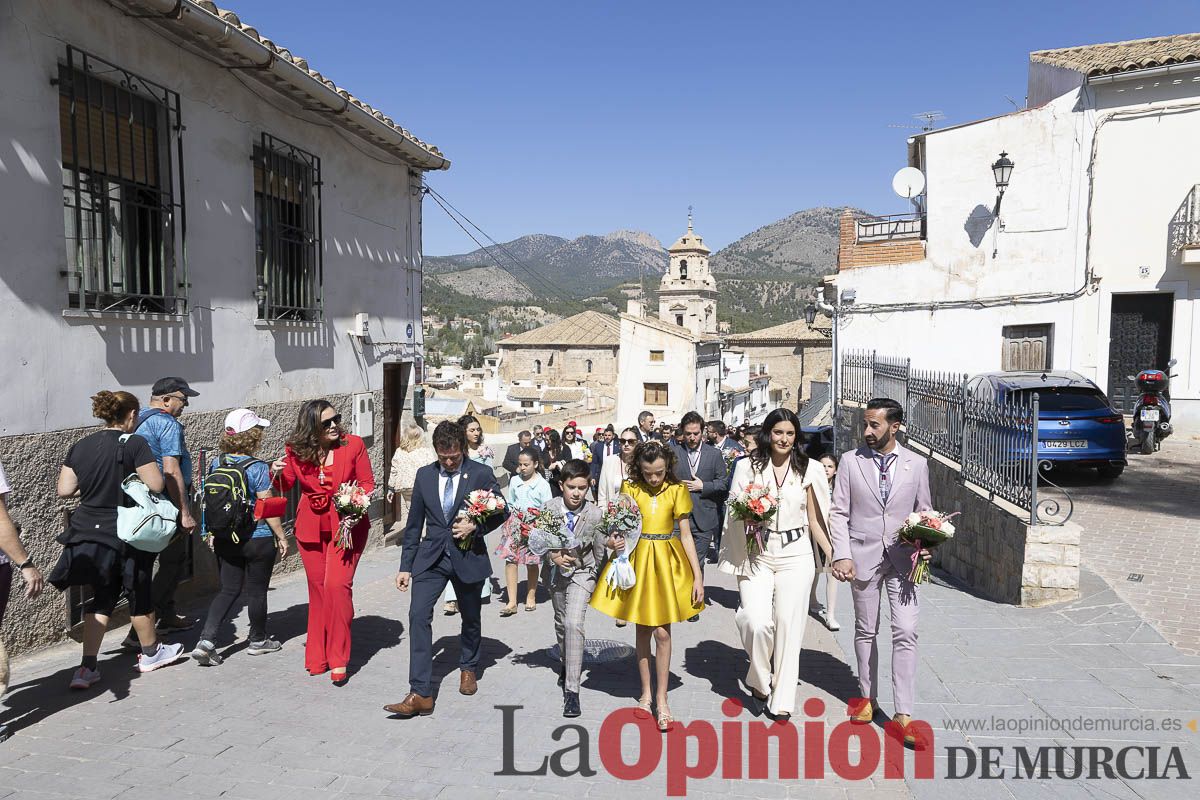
(754, 506)
(479, 505)
(925, 530)
(352, 502)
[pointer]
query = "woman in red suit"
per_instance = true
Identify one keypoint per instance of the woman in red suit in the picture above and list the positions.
(321, 457)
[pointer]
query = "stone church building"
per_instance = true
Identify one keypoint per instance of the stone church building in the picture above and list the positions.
(668, 364)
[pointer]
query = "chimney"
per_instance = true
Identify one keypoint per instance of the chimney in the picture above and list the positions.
(634, 308)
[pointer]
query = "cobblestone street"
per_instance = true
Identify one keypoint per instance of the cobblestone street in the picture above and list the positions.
(1147, 523)
(260, 728)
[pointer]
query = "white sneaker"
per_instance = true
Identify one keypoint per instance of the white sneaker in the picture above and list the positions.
(85, 678)
(166, 654)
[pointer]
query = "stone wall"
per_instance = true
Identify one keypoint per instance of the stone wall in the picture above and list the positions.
(32, 463)
(995, 550)
(792, 367)
(561, 366)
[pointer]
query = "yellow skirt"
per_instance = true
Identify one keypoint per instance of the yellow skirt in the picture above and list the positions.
(662, 593)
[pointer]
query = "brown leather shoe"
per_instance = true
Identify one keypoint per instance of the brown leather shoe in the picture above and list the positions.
(914, 739)
(411, 706)
(861, 710)
(467, 684)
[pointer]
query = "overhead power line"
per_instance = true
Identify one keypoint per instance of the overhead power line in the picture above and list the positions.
(557, 291)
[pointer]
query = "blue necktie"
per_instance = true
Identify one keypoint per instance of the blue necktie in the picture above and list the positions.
(448, 495)
(885, 463)
(571, 521)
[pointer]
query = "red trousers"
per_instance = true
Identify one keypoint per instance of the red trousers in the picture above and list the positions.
(330, 572)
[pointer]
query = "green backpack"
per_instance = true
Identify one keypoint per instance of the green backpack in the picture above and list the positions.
(229, 502)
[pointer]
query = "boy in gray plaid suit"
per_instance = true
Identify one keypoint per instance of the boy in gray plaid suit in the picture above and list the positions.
(570, 594)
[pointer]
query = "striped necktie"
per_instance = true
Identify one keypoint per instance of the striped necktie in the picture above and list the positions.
(885, 463)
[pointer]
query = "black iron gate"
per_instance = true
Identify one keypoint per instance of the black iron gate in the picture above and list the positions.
(1139, 338)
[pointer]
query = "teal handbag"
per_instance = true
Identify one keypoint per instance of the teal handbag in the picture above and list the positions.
(150, 523)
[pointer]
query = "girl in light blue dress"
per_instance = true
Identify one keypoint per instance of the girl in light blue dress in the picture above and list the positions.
(528, 491)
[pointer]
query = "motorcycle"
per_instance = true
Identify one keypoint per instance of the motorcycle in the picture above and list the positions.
(1152, 412)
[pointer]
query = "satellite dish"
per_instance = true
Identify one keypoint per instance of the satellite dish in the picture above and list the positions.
(909, 183)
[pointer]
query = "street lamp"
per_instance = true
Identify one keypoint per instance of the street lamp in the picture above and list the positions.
(1002, 169)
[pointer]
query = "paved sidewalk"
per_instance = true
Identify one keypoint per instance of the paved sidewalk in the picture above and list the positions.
(260, 728)
(1147, 523)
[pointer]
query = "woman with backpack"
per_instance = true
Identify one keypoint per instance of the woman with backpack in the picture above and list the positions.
(245, 546)
(321, 457)
(93, 555)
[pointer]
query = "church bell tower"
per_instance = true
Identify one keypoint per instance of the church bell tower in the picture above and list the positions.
(688, 294)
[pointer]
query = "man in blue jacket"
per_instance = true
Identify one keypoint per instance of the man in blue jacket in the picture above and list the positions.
(701, 468)
(452, 551)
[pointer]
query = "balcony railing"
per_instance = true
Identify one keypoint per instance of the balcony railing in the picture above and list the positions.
(890, 227)
(1184, 228)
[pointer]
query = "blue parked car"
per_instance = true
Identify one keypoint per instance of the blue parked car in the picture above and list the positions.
(1077, 425)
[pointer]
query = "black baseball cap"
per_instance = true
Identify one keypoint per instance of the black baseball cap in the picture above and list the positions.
(168, 385)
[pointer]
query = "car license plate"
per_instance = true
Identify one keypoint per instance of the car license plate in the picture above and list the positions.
(1150, 414)
(1065, 444)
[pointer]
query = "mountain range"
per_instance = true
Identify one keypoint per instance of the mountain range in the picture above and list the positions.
(801, 246)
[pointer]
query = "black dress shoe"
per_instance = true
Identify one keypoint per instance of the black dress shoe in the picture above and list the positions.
(571, 704)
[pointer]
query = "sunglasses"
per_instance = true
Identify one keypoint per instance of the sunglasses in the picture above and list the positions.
(181, 398)
(333, 421)
(629, 441)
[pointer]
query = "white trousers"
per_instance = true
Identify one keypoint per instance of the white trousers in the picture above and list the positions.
(771, 619)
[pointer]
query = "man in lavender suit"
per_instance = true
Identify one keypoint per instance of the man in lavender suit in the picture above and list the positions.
(877, 487)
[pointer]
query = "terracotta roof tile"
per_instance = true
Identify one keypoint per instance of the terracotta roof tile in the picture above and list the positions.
(587, 329)
(562, 395)
(524, 393)
(796, 330)
(1115, 57)
(232, 18)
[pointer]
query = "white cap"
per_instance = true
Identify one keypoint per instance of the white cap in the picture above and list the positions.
(243, 419)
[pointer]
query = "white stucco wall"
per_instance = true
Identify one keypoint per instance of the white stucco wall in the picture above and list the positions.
(1145, 164)
(370, 218)
(677, 370)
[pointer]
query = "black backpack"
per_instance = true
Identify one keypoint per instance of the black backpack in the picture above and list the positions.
(228, 501)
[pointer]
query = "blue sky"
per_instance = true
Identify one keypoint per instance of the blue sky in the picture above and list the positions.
(571, 118)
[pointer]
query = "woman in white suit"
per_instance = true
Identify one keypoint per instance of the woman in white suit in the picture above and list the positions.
(775, 584)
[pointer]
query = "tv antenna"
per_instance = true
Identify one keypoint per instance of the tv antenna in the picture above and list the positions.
(927, 118)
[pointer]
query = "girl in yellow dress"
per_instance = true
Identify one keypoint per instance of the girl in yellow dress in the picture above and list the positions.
(669, 585)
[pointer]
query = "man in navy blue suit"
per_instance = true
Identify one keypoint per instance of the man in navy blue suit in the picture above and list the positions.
(602, 449)
(428, 563)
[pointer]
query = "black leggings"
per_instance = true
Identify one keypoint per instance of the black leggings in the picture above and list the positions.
(245, 569)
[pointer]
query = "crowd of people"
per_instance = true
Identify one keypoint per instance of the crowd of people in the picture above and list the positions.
(681, 478)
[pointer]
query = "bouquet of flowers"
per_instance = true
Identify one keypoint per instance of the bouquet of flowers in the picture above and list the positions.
(550, 532)
(518, 526)
(754, 506)
(480, 504)
(351, 502)
(731, 457)
(486, 451)
(925, 530)
(622, 518)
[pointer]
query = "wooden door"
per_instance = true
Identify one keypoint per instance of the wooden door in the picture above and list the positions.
(1026, 348)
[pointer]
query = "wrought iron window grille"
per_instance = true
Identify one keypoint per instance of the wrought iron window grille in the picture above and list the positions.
(287, 217)
(123, 188)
